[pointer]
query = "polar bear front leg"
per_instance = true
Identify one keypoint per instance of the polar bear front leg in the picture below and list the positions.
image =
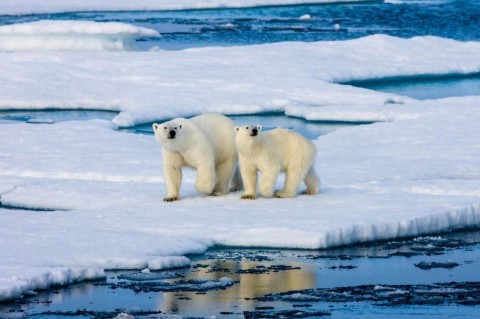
(172, 174)
(269, 178)
(206, 178)
(173, 179)
(249, 176)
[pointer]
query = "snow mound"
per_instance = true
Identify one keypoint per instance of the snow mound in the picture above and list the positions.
(72, 36)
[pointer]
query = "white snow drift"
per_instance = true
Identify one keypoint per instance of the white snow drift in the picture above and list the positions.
(71, 35)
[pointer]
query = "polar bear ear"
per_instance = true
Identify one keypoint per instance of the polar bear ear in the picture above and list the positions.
(155, 126)
(259, 127)
(180, 126)
(237, 128)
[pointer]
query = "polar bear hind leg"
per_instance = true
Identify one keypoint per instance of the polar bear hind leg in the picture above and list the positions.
(267, 183)
(293, 178)
(224, 172)
(312, 181)
(237, 182)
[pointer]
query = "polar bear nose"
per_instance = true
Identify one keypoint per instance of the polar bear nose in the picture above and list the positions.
(172, 134)
(254, 132)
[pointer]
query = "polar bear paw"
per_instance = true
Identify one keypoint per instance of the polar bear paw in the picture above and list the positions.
(282, 194)
(217, 192)
(171, 199)
(249, 196)
(308, 192)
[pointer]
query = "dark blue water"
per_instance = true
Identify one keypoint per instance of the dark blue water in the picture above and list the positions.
(457, 19)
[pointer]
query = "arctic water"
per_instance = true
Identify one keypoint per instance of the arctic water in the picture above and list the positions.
(454, 19)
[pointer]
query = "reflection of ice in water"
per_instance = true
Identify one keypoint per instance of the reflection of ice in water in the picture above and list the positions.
(249, 286)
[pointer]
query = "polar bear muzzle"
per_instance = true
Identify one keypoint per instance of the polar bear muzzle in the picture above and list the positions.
(171, 134)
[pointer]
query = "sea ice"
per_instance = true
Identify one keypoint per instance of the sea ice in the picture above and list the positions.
(417, 172)
(71, 36)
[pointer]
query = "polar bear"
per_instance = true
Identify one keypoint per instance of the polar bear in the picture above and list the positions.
(272, 152)
(205, 143)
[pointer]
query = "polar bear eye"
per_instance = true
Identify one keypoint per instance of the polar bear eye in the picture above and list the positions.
(175, 127)
(165, 128)
(247, 127)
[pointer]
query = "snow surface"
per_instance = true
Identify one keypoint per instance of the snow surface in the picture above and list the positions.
(14, 7)
(416, 173)
(292, 77)
(71, 35)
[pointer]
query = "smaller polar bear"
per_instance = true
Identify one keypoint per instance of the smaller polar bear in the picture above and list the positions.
(273, 152)
(205, 143)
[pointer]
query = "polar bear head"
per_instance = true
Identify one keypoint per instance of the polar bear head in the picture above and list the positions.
(170, 134)
(249, 131)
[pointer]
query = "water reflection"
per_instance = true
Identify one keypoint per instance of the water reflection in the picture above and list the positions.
(260, 272)
(251, 283)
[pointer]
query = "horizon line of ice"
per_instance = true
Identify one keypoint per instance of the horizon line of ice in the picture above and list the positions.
(68, 35)
(24, 7)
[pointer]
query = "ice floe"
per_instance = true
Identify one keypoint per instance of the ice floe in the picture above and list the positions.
(68, 35)
(297, 78)
(416, 173)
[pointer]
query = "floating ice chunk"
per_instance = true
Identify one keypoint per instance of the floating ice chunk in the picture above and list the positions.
(305, 17)
(150, 276)
(181, 285)
(228, 26)
(336, 26)
(434, 264)
(40, 121)
(72, 36)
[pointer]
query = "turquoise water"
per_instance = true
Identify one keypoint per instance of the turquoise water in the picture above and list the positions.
(426, 87)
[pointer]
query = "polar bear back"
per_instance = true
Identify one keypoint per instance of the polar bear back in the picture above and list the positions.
(287, 147)
(220, 132)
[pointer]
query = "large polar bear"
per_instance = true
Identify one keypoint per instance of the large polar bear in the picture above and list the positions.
(205, 143)
(272, 152)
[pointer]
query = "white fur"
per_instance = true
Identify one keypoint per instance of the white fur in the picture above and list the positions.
(205, 143)
(273, 152)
